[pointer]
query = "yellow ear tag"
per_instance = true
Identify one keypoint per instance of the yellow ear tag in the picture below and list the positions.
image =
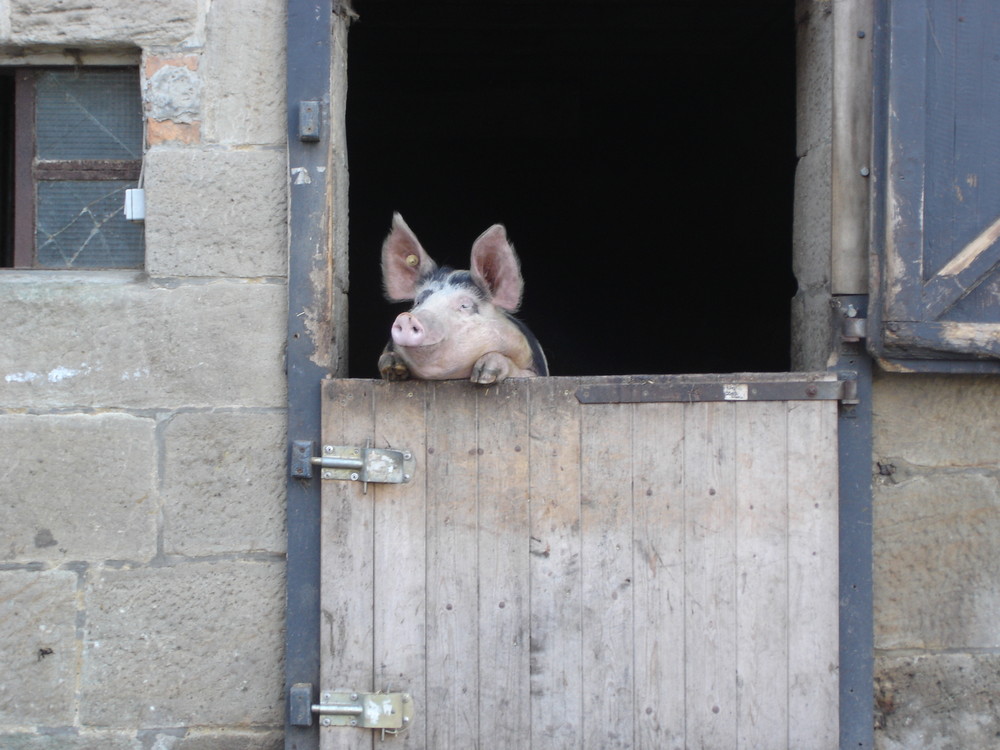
(412, 260)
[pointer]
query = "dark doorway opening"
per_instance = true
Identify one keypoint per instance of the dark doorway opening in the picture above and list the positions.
(640, 154)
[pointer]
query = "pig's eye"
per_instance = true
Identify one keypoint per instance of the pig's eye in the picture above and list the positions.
(467, 305)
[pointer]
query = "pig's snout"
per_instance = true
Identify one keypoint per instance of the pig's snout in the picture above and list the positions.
(407, 330)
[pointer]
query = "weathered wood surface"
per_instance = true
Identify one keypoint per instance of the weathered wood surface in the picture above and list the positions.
(559, 575)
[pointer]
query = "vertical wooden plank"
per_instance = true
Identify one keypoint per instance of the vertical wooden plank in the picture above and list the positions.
(851, 142)
(658, 549)
(556, 616)
(347, 588)
(504, 594)
(400, 554)
(762, 574)
(452, 713)
(813, 576)
(24, 158)
(606, 519)
(710, 574)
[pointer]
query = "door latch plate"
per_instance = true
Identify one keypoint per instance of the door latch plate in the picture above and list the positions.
(353, 463)
(351, 708)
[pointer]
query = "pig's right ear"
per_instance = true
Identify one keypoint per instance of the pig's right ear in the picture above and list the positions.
(404, 261)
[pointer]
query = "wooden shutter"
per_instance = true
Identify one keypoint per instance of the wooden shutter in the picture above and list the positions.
(937, 280)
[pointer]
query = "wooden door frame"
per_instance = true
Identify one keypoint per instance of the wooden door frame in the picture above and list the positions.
(317, 320)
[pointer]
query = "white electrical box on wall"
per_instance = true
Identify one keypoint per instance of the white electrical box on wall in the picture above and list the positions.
(135, 204)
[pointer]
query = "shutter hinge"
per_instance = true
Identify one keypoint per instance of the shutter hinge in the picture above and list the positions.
(392, 713)
(353, 463)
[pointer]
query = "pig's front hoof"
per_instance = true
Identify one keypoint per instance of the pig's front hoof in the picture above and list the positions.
(491, 368)
(392, 367)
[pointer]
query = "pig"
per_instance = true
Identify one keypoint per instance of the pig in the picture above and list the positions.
(460, 326)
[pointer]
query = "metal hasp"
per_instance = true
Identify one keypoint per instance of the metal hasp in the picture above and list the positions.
(715, 389)
(353, 463)
(390, 712)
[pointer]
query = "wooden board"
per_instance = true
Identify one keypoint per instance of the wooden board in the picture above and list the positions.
(559, 575)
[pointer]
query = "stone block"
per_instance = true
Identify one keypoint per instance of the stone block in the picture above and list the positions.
(193, 644)
(233, 740)
(937, 702)
(38, 647)
(70, 738)
(99, 340)
(814, 73)
(216, 212)
(224, 483)
(937, 561)
(78, 487)
(244, 98)
(811, 334)
(164, 22)
(928, 420)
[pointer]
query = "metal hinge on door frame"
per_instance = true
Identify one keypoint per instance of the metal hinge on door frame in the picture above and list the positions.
(352, 463)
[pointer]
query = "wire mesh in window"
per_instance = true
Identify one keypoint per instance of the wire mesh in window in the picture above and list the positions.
(88, 114)
(83, 225)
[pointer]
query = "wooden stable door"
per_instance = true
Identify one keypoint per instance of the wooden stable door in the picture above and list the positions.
(588, 563)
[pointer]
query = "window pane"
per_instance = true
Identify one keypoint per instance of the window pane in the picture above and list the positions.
(82, 225)
(94, 114)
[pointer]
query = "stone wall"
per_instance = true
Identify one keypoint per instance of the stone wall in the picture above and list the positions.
(936, 515)
(142, 415)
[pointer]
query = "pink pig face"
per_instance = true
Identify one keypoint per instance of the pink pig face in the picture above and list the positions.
(460, 326)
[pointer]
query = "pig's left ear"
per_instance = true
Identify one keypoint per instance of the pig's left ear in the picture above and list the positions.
(404, 261)
(495, 267)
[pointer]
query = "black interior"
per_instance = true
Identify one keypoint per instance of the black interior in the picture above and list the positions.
(640, 154)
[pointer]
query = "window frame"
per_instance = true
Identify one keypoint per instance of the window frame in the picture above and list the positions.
(28, 171)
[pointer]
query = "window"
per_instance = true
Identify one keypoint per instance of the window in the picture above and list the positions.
(72, 146)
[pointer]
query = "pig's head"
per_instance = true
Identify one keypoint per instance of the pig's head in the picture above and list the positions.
(459, 326)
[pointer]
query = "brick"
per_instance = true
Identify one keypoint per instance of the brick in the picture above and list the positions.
(216, 212)
(38, 647)
(167, 131)
(224, 483)
(78, 487)
(191, 644)
(942, 421)
(937, 701)
(937, 561)
(60, 22)
(107, 340)
(244, 88)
